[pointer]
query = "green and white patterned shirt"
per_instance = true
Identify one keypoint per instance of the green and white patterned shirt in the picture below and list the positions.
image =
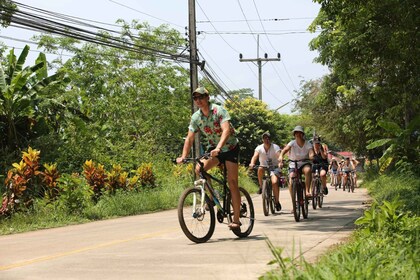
(211, 129)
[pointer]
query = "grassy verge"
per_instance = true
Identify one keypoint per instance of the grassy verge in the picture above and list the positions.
(74, 206)
(385, 246)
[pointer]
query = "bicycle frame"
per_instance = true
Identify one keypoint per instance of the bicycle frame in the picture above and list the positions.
(196, 213)
(204, 185)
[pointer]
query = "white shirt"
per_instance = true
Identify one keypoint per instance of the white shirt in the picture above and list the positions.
(299, 153)
(264, 155)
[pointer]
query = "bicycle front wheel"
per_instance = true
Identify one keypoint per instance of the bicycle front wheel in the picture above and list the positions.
(265, 197)
(305, 208)
(246, 216)
(314, 194)
(295, 201)
(196, 217)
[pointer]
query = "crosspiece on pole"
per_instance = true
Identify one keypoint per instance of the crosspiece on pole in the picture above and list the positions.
(259, 64)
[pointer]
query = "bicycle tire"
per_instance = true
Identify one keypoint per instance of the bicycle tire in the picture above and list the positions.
(265, 198)
(305, 208)
(270, 190)
(197, 225)
(348, 184)
(247, 215)
(295, 201)
(352, 185)
(314, 194)
(320, 197)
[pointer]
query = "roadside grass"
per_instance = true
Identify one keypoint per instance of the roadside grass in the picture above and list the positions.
(385, 246)
(75, 207)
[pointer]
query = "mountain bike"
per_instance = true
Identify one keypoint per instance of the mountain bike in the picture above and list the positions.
(317, 192)
(267, 194)
(299, 199)
(196, 213)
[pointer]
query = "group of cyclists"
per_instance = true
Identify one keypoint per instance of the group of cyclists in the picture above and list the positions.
(310, 155)
(213, 122)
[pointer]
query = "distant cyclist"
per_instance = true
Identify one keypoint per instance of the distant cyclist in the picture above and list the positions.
(346, 169)
(267, 154)
(333, 170)
(321, 160)
(302, 151)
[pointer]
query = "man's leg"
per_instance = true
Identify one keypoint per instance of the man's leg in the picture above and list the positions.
(260, 178)
(232, 178)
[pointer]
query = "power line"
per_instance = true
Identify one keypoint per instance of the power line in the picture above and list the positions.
(43, 23)
(251, 20)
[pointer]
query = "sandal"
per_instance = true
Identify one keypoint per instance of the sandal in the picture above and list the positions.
(234, 225)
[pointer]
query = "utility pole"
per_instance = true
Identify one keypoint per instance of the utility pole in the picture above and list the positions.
(259, 64)
(193, 66)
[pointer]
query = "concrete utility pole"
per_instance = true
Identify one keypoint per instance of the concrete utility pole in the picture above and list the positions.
(259, 64)
(193, 65)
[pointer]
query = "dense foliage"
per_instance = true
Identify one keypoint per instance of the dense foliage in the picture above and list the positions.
(372, 50)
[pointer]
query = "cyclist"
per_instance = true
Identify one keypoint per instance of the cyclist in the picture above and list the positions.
(267, 154)
(300, 150)
(333, 170)
(321, 159)
(355, 164)
(213, 121)
(347, 168)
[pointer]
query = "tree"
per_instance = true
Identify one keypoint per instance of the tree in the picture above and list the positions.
(371, 48)
(251, 118)
(137, 105)
(7, 9)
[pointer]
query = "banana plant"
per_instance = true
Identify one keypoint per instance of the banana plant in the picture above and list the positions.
(403, 143)
(21, 89)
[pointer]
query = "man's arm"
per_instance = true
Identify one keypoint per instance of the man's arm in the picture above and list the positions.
(285, 150)
(254, 159)
(225, 136)
(189, 140)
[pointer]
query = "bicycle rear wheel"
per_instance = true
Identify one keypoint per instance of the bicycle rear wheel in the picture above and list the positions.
(196, 222)
(295, 201)
(246, 216)
(265, 197)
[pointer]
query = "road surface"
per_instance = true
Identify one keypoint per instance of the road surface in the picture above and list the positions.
(152, 246)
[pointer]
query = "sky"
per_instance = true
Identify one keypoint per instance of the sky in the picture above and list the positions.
(225, 28)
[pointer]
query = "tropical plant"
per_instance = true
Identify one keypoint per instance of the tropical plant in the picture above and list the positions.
(22, 185)
(403, 145)
(22, 90)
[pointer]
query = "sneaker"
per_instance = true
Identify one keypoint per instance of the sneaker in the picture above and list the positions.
(278, 206)
(325, 190)
(259, 191)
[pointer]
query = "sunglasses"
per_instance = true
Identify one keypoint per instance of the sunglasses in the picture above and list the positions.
(199, 97)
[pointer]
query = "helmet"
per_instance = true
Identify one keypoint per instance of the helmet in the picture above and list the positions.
(201, 90)
(298, 129)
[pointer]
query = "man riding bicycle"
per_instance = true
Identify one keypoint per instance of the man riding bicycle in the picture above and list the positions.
(267, 154)
(213, 121)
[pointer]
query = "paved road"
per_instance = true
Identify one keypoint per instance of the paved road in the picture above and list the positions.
(153, 246)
